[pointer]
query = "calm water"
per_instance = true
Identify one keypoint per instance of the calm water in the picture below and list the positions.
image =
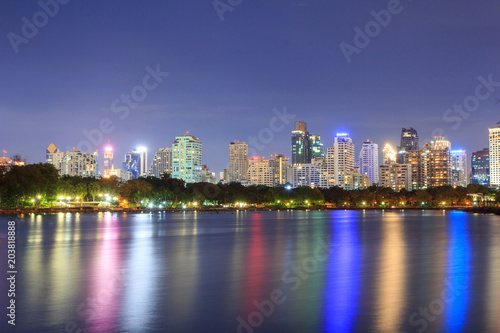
(340, 271)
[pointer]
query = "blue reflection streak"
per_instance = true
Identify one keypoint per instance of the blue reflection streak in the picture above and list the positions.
(458, 272)
(343, 274)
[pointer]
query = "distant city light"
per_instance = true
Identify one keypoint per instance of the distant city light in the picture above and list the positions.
(142, 149)
(108, 148)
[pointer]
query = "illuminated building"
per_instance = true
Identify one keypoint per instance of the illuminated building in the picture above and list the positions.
(143, 161)
(77, 164)
(238, 162)
(355, 181)
(494, 156)
(305, 146)
(49, 153)
(409, 142)
(108, 161)
(207, 176)
(305, 175)
(480, 167)
(162, 163)
(396, 176)
(458, 168)
(340, 160)
(259, 172)
(368, 161)
(279, 165)
(186, 158)
(439, 169)
(131, 165)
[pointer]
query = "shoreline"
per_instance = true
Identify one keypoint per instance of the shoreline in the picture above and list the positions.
(216, 210)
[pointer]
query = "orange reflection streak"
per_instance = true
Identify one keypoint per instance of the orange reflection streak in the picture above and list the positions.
(106, 281)
(391, 275)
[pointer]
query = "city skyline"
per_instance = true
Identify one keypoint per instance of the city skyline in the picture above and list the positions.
(232, 87)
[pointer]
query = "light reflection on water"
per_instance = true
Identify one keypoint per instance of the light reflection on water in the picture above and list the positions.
(196, 272)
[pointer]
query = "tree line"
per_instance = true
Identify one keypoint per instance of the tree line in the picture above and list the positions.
(38, 185)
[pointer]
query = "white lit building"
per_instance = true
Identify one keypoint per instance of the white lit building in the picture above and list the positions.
(186, 158)
(238, 161)
(368, 161)
(459, 173)
(162, 163)
(305, 175)
(495, 156)
(260, 172)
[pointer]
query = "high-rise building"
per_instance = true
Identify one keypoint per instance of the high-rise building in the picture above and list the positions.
(418, 160)
(305, 175)
(49, 153)
(131, 167)
(439, 169)
(300, 143)
(368, 161)
(480, 167)
(458, 168)
(186, 158)
(279, 165)
(207, 176)
(356, 181)
(108, 161)
(396, 176)
(409, 142)
(238, 161)
(340, 159)
(77, 164)
(389, 154)
(495, 156)
(260, 172)
(162, 163)
(143, 161)
(305, 146)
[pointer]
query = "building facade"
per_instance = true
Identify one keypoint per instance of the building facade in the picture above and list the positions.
(279, 165)
(480, 167)
(494, 156)
(459, 170)
(162, 163)
(186, 158)
(368, 161)
(259, 172)
(340, 160)
(396, 176)
(238, 161)
(305, 175)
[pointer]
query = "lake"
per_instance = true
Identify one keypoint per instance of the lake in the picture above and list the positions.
(286, 271)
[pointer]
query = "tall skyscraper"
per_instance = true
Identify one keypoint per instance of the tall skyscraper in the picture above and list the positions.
(49, 153)
(300, 143)
(340, 160)
(480, 167)
(75, 163)
(162, 163)
(305, 175)
(389, 154)
(396, 176)
(458, 168)
(439, 162)
(409, 142)
(315, 148)
(134, 165)
(495, 156)
(368, 161)
(279, 165)
(186, 158)
(238, 161)
(143, 161)
(108, 161)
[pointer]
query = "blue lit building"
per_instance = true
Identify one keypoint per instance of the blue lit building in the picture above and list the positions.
(480, 165)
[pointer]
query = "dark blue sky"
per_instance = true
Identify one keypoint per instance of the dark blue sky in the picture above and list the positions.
(225, 77)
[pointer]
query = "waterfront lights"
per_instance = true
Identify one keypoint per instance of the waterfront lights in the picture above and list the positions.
(195, 203)
(39, 197)
(288, 187)
(150, 205)
(100, 194)
(68, 198)
(60, 197)
(183, 206)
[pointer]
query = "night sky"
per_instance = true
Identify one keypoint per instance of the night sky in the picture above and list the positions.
(226, 77)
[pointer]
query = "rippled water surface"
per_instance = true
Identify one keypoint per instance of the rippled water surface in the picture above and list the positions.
(339, 271)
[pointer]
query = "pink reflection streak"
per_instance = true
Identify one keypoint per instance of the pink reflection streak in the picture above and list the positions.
(107, 279)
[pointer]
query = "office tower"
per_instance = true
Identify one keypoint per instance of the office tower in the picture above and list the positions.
(439, 169)
(300, 143)
(162, 163)
(368, 161)
(305, 175)
(418, 160)
(279, 166)
(305, 146)
(143, 161)
(108, 161)
(389, 154)
(77, 164)
(396, 176)
(225, 176)
(131, 165)
(238, 161)
(323, 171)
(340, 159)
(49, 153)
(409, 142)
(186, 158)
(480, 167)
(259, 172)
(495, 156)
(458, 168)
(315, 148)
(207, 176)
